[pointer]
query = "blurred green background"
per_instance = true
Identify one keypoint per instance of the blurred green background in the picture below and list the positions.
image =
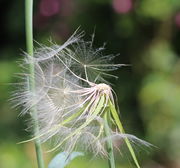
(146, 33)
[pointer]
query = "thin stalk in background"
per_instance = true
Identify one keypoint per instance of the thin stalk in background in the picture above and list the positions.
(111, 160)
(29, 45)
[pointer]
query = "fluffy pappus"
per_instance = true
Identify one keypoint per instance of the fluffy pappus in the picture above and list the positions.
(74, 103)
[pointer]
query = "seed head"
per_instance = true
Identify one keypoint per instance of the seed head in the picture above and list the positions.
(72, 97)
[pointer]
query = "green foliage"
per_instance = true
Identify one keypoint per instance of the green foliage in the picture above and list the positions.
(159, 9)
(160, 97)
(13, 156)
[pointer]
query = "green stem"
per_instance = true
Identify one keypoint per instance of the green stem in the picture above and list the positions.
(121, 129)
(109, 143)
(29, 45)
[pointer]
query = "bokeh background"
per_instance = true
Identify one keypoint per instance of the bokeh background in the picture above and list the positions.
(146, 33)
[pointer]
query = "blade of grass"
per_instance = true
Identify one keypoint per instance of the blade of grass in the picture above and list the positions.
(121, 129)
(29, 44)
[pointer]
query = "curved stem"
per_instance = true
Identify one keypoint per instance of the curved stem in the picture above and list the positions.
(29, 45)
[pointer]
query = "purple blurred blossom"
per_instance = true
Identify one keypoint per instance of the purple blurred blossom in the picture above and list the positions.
(177, 19)
(49, 7)
(122, 6)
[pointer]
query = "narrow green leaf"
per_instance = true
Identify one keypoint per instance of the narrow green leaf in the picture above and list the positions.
(121, 129)
(73, 116)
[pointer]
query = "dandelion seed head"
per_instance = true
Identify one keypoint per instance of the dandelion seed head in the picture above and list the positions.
(70, 94)
(103, 88)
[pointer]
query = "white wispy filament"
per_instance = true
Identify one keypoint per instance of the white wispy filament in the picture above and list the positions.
(72, 96)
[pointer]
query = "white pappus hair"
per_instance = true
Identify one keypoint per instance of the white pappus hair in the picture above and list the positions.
(67, 95)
